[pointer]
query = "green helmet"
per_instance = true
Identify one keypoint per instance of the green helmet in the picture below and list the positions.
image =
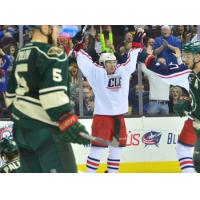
(196, 47)
(192, 47)
(8, 147)
(187, 48)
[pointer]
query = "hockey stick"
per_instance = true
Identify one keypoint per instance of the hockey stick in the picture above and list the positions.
(114, 143)
(83, 31)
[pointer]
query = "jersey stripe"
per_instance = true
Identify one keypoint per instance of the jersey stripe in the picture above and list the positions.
(58, 98)
(33, 111)
(49, 89)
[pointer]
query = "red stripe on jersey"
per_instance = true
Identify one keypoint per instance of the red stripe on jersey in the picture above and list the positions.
(172, 76)
(113, 164)
(92, 163)
(186, 162)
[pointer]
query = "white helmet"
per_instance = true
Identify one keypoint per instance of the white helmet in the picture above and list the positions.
(106, 57)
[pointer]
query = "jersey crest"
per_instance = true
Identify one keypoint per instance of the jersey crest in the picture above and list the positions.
(55, 51)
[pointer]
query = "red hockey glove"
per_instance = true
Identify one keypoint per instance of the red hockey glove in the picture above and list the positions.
(79, 46)
(71, 127)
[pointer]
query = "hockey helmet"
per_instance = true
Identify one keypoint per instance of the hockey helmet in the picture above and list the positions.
(104, 57)
(8, 147)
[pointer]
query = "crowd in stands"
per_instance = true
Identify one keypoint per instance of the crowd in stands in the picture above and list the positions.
(159, 40)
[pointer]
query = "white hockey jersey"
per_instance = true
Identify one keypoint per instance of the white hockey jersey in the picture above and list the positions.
(111, 91)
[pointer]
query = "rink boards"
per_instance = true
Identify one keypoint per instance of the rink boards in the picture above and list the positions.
(151, 145)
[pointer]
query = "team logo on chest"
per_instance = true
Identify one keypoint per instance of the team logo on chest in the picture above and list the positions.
(114, 81)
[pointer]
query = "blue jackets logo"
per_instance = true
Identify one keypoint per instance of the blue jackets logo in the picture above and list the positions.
(151, 138)
(5, 133)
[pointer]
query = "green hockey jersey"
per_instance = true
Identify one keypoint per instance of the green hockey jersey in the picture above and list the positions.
(194, 81)
(38, 90)
(10, 167)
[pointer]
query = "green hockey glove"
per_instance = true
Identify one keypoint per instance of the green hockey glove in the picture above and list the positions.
(71, 127)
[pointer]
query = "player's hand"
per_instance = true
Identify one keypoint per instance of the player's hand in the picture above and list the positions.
(78, 37)
(177, 53)
(79, 46)
(165, 43)
(182, 106)
(138, 38)
(71, 127)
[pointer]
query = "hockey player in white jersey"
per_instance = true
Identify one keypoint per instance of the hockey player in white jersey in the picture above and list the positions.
(110, 84)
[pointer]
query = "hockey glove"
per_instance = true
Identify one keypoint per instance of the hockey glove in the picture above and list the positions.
(79, 46)
(137, 40)
(181, 106)
(71, 127)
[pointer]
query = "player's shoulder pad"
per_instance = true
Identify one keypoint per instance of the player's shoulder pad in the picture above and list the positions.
(55, 51)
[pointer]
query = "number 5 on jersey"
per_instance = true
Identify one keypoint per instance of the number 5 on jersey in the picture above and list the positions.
(57, 75)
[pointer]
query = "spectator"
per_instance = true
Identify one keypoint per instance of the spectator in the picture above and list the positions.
(181, 32)
(88, 103)
(149, 45)
(74, 83)
(123, 52)
(11, 52)
(134, 99)
(165, 45)
(4, 63)
(107, 43)
(175, 95)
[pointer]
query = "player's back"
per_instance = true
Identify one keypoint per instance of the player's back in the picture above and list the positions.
(10, 167)
(35, 71)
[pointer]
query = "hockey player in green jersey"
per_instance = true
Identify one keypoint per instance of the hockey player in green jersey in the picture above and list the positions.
(38, 97)
(192, 60)
(10, 153)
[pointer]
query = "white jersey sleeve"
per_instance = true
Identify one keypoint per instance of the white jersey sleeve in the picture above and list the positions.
(89, 69)
(130, 65)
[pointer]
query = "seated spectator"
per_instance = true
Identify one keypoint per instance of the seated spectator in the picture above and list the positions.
(165, 45)
(123, 52)
(88, 103)
(65, 41)
(149, 45)
(74, 83)
(180, 31)
(11, 52)
(134, 99)
(175, 95)
(4, 63)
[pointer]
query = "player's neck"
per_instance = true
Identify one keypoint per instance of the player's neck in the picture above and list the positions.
(197, 68)
(39, 38)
